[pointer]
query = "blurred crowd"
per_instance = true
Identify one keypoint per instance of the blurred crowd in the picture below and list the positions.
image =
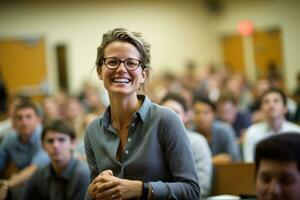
(220, 106)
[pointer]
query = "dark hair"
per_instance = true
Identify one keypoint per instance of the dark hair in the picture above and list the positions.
(124, 35)
(227, 96)
(282, 147)
(27, 104)
(175, 97)
(274, 90)
(205, 100)
(60, 126)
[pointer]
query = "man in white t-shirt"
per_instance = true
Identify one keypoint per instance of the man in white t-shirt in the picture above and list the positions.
(273, 105)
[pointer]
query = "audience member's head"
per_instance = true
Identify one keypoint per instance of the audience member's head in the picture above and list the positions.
(73, 109)
(277, 162)
(274, 104)
(204, 113)
(227, 107)
(177, 103)
(261, 85)
(26, 119)
(50, 109)
(14, 101)
(58, 139)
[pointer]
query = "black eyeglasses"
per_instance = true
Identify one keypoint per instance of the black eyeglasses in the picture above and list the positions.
(113, 63)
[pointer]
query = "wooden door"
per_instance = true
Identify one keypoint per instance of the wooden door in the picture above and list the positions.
(23, 65)
(233, 53)
(268, 53)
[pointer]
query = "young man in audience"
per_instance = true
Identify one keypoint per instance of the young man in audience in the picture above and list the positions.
(21, 151)
(277, 163)
(200, 148)
(273, 105)
(6, 126)
(220, 135)
(227, 111)
(66, 178)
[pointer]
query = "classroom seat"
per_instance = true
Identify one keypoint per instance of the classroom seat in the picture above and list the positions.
(233, 179)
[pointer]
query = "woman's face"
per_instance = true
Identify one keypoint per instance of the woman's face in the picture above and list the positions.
(121, 81)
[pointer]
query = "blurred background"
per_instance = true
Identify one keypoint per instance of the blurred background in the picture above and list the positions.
(48, 45)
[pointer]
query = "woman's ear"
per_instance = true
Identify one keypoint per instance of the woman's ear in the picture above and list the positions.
(99, 72)
(145, 74)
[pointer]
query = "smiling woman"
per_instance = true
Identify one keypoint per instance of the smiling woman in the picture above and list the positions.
(132, 149)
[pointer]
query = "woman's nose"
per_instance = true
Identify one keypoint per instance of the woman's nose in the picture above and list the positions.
(122, 67)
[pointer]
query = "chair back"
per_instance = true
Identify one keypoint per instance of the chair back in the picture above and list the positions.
(234, 179)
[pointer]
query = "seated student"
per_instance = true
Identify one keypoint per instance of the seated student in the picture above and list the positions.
(65, 178)
(21, 151)
(273, 104)
(200, 148)
(227, 111)
(220, 135)
(277, 163)
(6, 125)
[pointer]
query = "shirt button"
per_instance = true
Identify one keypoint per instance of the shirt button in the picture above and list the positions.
(126, 152)
(129, 139)
(132, 124)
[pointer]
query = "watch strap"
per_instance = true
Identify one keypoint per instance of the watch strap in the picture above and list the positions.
(146, 188)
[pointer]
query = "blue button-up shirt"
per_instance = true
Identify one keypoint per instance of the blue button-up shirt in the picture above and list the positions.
(157, 151)
(22, 155)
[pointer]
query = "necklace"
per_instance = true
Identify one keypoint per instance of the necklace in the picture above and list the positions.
(128, 125)
(119, 129)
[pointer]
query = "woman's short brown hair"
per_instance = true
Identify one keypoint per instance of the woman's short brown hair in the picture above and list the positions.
(121, 34)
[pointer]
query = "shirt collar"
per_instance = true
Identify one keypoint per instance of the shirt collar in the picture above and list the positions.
(142, 112)
(66, 174)
(36, 136)
(281, 129)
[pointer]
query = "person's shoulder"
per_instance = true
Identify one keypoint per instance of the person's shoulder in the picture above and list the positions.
(197, 139)
(94, 124)
(41, 173)
(243, 116)
(10, 139)
(256, 131)
(222, 126)
(162, 112)
(159, 108)
(80, 173)
(259, 126)
(290, 126)
(81, 168)
(195, 136)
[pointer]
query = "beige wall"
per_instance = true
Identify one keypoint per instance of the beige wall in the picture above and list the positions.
(177, 30)
(265, 14)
